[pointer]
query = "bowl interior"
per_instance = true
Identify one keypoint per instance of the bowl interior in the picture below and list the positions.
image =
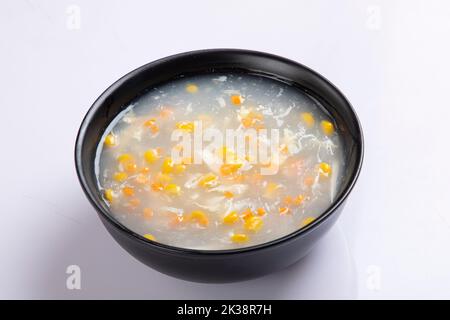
(131, 86)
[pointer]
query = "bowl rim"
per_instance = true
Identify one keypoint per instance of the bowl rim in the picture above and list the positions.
(98, 103)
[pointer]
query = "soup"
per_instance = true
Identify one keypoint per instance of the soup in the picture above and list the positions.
(220, 161)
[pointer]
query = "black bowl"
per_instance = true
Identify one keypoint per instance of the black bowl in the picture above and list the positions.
(218, 265)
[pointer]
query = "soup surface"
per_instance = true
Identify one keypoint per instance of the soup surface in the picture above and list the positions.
(220, 161)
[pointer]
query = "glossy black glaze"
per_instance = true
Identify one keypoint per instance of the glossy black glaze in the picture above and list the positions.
(220, 265)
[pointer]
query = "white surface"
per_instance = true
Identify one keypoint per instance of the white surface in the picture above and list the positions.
(389, 57)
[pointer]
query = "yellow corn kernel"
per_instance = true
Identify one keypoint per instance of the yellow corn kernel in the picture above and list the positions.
(298, 200)
(199, 217)
(128, 191)
(228, 194)
(145, 170)
(325, 169)
(307, 221)
(261, 211)
(231, 218)
(110, 140)
(149, 237)
(185, 126)
(172, 189)
(151, 156)
(109, 195)
(227, 169)
(157, 186)
(120, 176)
(293, 201)
(124, 158)
(239, 238)
(208, 180)
(308, 119)
(179, 168)
(287, 200)
(134, 203)
(247, 214)
(236, 99)
(226, 154)
(284, 149)
(167, 166)
(272, 189)
(163, 178)
(191, 88)
(253, 223)
(130, 167)
(151, 124)
(327, 127)
(284, 210)
(147, 213)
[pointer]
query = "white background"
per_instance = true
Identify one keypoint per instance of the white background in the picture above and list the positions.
(390, 58)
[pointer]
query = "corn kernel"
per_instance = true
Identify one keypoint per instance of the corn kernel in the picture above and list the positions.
(185, 126)
(261, 211)
(199, 217)
(325, 168)
(236, 99)
(308, 119)
(151, 156)
(227, 169)
(126, 157)
(191, 88)
(239, 238)
(130, 167)
(327, 127)
(272, 189)
(167, 166)
(109, 195)
(151, 124)
(149, 237)
(208, 181)
(231, 218)
(293, 201)
(110, 140)
(145, 170)
(173, 189)
(157, 186)
(228, 194)
(307, 221)
(126, 160)
(147, 213)
(163, 178)
(120, 176)
(128, 191)
(247, 214)
(284, 210)
(298, 200)
(253, 223)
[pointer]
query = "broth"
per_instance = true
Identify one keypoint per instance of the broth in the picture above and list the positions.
(221, 195)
